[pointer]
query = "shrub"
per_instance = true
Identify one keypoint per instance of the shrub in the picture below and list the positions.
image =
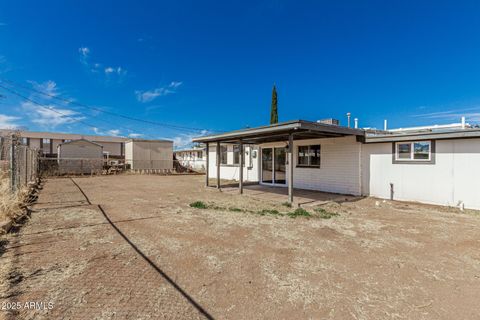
(299, 212)
(198, 205)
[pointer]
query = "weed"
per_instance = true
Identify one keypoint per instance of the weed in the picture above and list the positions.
(235, 209)
(287, 204)
(268, 211)
(299, 212)
(198, 205)
(324, 214)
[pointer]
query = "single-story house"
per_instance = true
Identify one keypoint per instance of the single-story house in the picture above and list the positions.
(437, 164)
(193, 158)
(79, 157)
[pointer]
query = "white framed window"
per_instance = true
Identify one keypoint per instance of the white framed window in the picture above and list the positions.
(308, 156)
(420, 151)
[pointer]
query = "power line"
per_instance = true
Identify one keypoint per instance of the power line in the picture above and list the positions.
(93, 127)
(43, 106)
(174, 127)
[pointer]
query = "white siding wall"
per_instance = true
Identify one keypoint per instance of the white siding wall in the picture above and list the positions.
(454, 177)
(231, 172)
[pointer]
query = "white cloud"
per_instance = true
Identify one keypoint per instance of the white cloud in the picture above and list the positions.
(96, 67)
(49, 87)
(135, 135)
(84, 55)
(150, 95)
(8, 122)
(114, 132)
(185, 140)
(471, 114)
(50, 116)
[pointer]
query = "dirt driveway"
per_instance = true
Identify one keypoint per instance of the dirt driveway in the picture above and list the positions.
(146, 254)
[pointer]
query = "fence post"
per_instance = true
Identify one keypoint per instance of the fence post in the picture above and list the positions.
(12, 163)
(26, 166)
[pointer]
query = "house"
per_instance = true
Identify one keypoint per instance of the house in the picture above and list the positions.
(79, 157)
(436, 164)
(193, 158)
(47, 142)
(143, 154)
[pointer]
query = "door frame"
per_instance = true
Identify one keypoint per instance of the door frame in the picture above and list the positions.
(273, 167)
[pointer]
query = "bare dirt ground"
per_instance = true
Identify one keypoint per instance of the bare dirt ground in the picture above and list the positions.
(160, 258)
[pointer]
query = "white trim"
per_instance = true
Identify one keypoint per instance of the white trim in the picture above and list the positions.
(412, 151)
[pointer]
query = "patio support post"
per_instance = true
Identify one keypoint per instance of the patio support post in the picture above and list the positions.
(218, 164)
(206, 165)
(240, 172)
(290, 168)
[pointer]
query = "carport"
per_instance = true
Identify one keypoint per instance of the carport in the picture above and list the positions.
(281, 132)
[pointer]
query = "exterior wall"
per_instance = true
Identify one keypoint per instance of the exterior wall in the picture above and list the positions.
(79, 157)
(340, 166)
(80, 149)
(231, 171)
(149, 154)
(452, 179)
(113, 148)
(339, 172)
(35, 143)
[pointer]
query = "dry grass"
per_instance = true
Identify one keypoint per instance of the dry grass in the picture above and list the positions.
(10, 203)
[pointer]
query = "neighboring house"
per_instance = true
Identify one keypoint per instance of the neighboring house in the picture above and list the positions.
(437, 165)
(193, 159)
(79, 157)
(47, 142)
(149, 154)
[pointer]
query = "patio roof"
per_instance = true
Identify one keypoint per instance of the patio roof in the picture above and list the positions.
(280, 132)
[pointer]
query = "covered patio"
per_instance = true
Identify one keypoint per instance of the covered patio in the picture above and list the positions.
(287, 132)
(303, 198)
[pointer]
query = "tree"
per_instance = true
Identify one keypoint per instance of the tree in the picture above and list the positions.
(274, 107)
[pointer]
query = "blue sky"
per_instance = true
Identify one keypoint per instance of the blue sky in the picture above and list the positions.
(211, 64)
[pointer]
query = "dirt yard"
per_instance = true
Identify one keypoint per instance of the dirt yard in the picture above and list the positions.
(149, 255)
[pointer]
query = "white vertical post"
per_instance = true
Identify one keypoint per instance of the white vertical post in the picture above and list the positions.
(240, 172)
(218, 165)
(463, 122)
(290, 168)
(385, 127)
(206, 164)
(356, 123)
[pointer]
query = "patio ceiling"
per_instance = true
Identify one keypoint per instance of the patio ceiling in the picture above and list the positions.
(280, 132)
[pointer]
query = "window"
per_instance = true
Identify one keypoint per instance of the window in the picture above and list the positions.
(308, 156)
(200, 155)
(223, 154)
(236, 154)
(413, 151)
(46, 145)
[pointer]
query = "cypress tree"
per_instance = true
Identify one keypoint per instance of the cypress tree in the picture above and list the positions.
(274, 107)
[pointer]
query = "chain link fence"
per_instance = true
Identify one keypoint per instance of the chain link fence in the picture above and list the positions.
(19, 164)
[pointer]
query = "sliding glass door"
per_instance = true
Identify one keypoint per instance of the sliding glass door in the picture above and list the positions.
(274, 165)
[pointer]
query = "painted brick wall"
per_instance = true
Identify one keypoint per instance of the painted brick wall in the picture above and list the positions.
(339, 170)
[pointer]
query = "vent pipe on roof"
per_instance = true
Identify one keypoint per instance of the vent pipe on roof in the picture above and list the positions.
(356, 123)
(385, 127)
(348, 119)
(463, 122)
